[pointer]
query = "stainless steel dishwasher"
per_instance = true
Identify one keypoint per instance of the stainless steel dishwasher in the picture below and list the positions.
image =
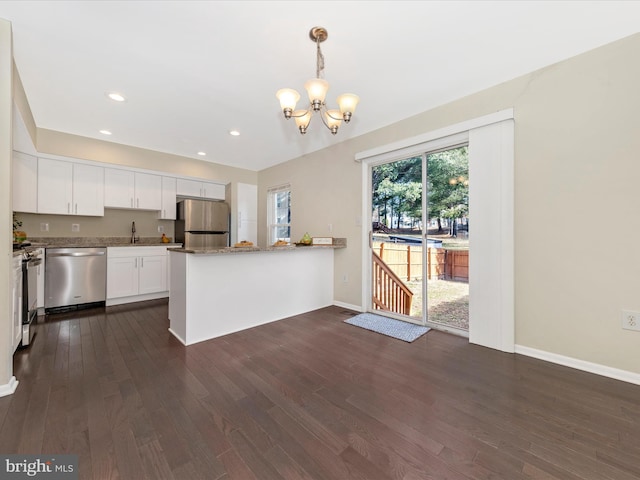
(75, 277)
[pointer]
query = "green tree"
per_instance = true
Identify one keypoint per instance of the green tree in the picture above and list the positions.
(397, 191)
(448, 185)
(397, 188)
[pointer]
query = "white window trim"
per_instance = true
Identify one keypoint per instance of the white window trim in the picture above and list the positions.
(491, 164)
(271, 223)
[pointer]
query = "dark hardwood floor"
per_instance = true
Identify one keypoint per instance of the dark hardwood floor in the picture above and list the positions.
(308, 397)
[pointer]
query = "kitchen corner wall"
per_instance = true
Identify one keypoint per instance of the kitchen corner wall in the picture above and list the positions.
(115, 223)
(6, 317)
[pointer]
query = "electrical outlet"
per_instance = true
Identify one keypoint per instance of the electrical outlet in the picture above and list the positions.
(631, 320)
(44, 227)
(330, 227)
(160, 229)
(75, 227)
(345, 278)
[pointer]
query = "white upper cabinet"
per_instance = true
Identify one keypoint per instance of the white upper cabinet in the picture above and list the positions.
(188, 188)
(55, 186)
(66, 188)
(127, 189)
(119, 188)
(148, 191)
(198, 189)
(214, 191)
(168, 211)
(25, 183)
(88, 190)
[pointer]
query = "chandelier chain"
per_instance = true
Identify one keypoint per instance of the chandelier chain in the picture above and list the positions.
(319, 59)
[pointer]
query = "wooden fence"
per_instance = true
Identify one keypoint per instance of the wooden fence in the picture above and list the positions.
(406, 261)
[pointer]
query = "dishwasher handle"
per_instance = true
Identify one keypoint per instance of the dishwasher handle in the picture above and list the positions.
(76, 254)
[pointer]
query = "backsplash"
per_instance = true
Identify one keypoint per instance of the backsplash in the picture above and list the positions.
(115, 223)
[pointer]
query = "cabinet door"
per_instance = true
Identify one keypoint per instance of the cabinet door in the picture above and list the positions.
(248, 201)
(122, 277)
(55, 186)
(148, 191)
(152, 274)
(88, 190)
(119, 188)
(25, 183)
(40, 274)
(247, 219)
(168, 211)
(17, 304)
(214, 191)
(188, 188)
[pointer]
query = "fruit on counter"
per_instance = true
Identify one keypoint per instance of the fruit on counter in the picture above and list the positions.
(281, 243)
(244, 243)
(164, 238)
(19, 236)
(306, 239)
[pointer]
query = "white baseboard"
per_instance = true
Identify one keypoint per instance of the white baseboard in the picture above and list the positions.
(9, 387)
(178, 337)
(349, 306)
(615, 373)
(136, 298)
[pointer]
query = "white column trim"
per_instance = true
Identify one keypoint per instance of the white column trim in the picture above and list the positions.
(9, 387)
(409, 147)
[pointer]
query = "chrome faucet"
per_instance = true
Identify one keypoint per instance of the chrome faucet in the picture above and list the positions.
(133, 232)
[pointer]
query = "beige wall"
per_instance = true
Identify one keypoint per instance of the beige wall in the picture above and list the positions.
(20, 99)
(115, 223)
(577, 223)
(58, 143)
(6, 79)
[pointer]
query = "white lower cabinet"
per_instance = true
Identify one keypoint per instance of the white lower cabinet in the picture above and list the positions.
(136, 273)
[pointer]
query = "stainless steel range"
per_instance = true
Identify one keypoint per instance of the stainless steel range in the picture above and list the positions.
(30, 262)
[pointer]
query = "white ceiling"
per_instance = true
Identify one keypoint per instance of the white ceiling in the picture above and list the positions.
(193, 70)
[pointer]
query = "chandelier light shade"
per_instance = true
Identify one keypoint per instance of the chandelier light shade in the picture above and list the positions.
(317, 92)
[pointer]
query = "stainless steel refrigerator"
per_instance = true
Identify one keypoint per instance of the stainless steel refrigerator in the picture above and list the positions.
(202, 223)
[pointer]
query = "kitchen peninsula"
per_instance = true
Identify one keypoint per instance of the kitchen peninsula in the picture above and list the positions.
(220, 291)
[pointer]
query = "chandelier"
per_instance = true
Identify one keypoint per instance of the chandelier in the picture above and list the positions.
(317, 91)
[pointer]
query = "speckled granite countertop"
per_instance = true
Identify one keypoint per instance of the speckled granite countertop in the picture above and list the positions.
(338, 243)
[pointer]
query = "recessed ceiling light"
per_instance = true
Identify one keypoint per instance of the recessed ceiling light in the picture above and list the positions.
(235, 133)
(105, 132)
(116, 97)
(202, 154)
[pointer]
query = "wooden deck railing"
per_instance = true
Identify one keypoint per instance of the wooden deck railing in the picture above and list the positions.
(389, 292)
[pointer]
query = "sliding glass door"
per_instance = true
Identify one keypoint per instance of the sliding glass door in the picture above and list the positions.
(419, 239)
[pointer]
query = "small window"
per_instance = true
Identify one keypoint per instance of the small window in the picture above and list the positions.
(279, 214)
